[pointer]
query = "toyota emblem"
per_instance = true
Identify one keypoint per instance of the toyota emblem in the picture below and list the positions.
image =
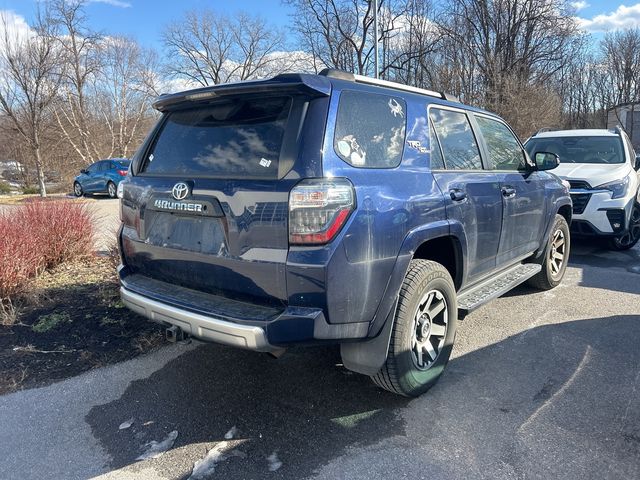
(180, 191)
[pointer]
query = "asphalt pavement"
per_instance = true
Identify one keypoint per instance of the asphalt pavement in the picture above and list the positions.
(540, 385)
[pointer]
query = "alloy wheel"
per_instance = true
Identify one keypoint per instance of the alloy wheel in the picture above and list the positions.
(633, 233)
(557, 252)
(430, 329)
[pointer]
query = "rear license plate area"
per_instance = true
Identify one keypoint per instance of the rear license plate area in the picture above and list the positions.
(191, 233)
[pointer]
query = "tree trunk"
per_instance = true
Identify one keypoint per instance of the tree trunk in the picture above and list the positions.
(40, 172)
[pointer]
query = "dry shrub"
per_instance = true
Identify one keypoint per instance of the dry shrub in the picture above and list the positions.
(39, 236)
(20, 254)
(63, 229)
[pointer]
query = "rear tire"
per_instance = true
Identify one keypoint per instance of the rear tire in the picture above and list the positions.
(629, 239)
(423, 332)
(112, 190)
(556, 257)
(77, 189)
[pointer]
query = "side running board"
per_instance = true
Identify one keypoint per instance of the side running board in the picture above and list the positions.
(495, 286)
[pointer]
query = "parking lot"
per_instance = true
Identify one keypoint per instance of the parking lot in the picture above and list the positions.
(540, 385)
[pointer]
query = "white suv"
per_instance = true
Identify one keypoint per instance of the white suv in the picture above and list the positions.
(602, 168)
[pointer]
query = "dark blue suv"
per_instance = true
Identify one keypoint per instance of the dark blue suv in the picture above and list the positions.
(308, 209)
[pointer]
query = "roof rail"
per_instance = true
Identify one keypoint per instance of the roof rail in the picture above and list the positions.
(342, 75)
(335, 73)
(542, 130)
(396, 86)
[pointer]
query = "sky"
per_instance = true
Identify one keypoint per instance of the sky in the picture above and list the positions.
(144, 19)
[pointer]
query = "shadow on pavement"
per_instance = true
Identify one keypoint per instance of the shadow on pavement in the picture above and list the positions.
(553, 400)
(298, 404)
(595, 253)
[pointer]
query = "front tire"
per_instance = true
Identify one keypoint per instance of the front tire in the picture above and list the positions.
(556, 256)
(77, 189)
(423, 332)
(629, 239)
(112, 190)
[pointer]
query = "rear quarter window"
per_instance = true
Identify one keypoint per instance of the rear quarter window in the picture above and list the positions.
(237, 137)
(370, 129)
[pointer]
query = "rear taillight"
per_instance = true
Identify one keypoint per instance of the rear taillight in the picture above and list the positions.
(318, 209)
(122, 173)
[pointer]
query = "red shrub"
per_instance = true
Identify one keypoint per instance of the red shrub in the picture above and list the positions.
(20, 257)
(41, 235)
(63, 229)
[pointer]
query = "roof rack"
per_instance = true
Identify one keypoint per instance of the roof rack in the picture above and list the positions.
(342, 75)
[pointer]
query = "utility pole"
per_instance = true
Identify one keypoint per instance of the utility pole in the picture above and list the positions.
(375, 27)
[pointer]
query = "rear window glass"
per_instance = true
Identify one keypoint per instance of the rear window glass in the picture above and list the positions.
(241, 137)
(370, 129)
(579, 149)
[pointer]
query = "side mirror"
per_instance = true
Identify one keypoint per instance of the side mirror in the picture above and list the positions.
(84, 170)
(546, 160)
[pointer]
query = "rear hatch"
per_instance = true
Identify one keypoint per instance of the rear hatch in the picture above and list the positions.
(207, 205)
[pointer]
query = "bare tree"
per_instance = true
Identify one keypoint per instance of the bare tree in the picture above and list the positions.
(409, 42)
(80, 46)
(32, 67)
(209, 48)
(340, 33)
(621, 58)
(123, 89)
(522, 41)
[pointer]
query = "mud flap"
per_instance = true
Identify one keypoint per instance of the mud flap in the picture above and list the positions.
(367, 357)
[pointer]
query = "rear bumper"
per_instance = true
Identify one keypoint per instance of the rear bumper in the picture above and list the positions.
(221, 320)
(200, 326)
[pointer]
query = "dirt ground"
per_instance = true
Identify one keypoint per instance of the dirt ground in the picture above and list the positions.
(73, 321)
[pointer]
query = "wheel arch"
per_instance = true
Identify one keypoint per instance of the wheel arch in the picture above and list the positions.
(433, 242)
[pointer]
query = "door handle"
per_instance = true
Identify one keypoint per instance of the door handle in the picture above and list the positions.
(457, 195)
(508, 192)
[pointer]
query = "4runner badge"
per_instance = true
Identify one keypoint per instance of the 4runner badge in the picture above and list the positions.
(180, 191)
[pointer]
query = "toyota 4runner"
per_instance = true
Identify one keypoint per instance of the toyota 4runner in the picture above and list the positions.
(335, 208)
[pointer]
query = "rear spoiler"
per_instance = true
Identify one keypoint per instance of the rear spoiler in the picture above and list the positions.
(287, 82)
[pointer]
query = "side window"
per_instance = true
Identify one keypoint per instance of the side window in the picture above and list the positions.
(437, 162)
(505, 152)
(105, 166)
(94, 168)
(370, 129)
(456, 139)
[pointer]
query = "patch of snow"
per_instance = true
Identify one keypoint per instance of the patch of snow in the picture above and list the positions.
(155, 449)
(274, 462)
(207, 465)
(125, 425)
(231, 433)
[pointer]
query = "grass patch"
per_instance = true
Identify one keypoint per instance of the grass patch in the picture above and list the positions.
(50, 321)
